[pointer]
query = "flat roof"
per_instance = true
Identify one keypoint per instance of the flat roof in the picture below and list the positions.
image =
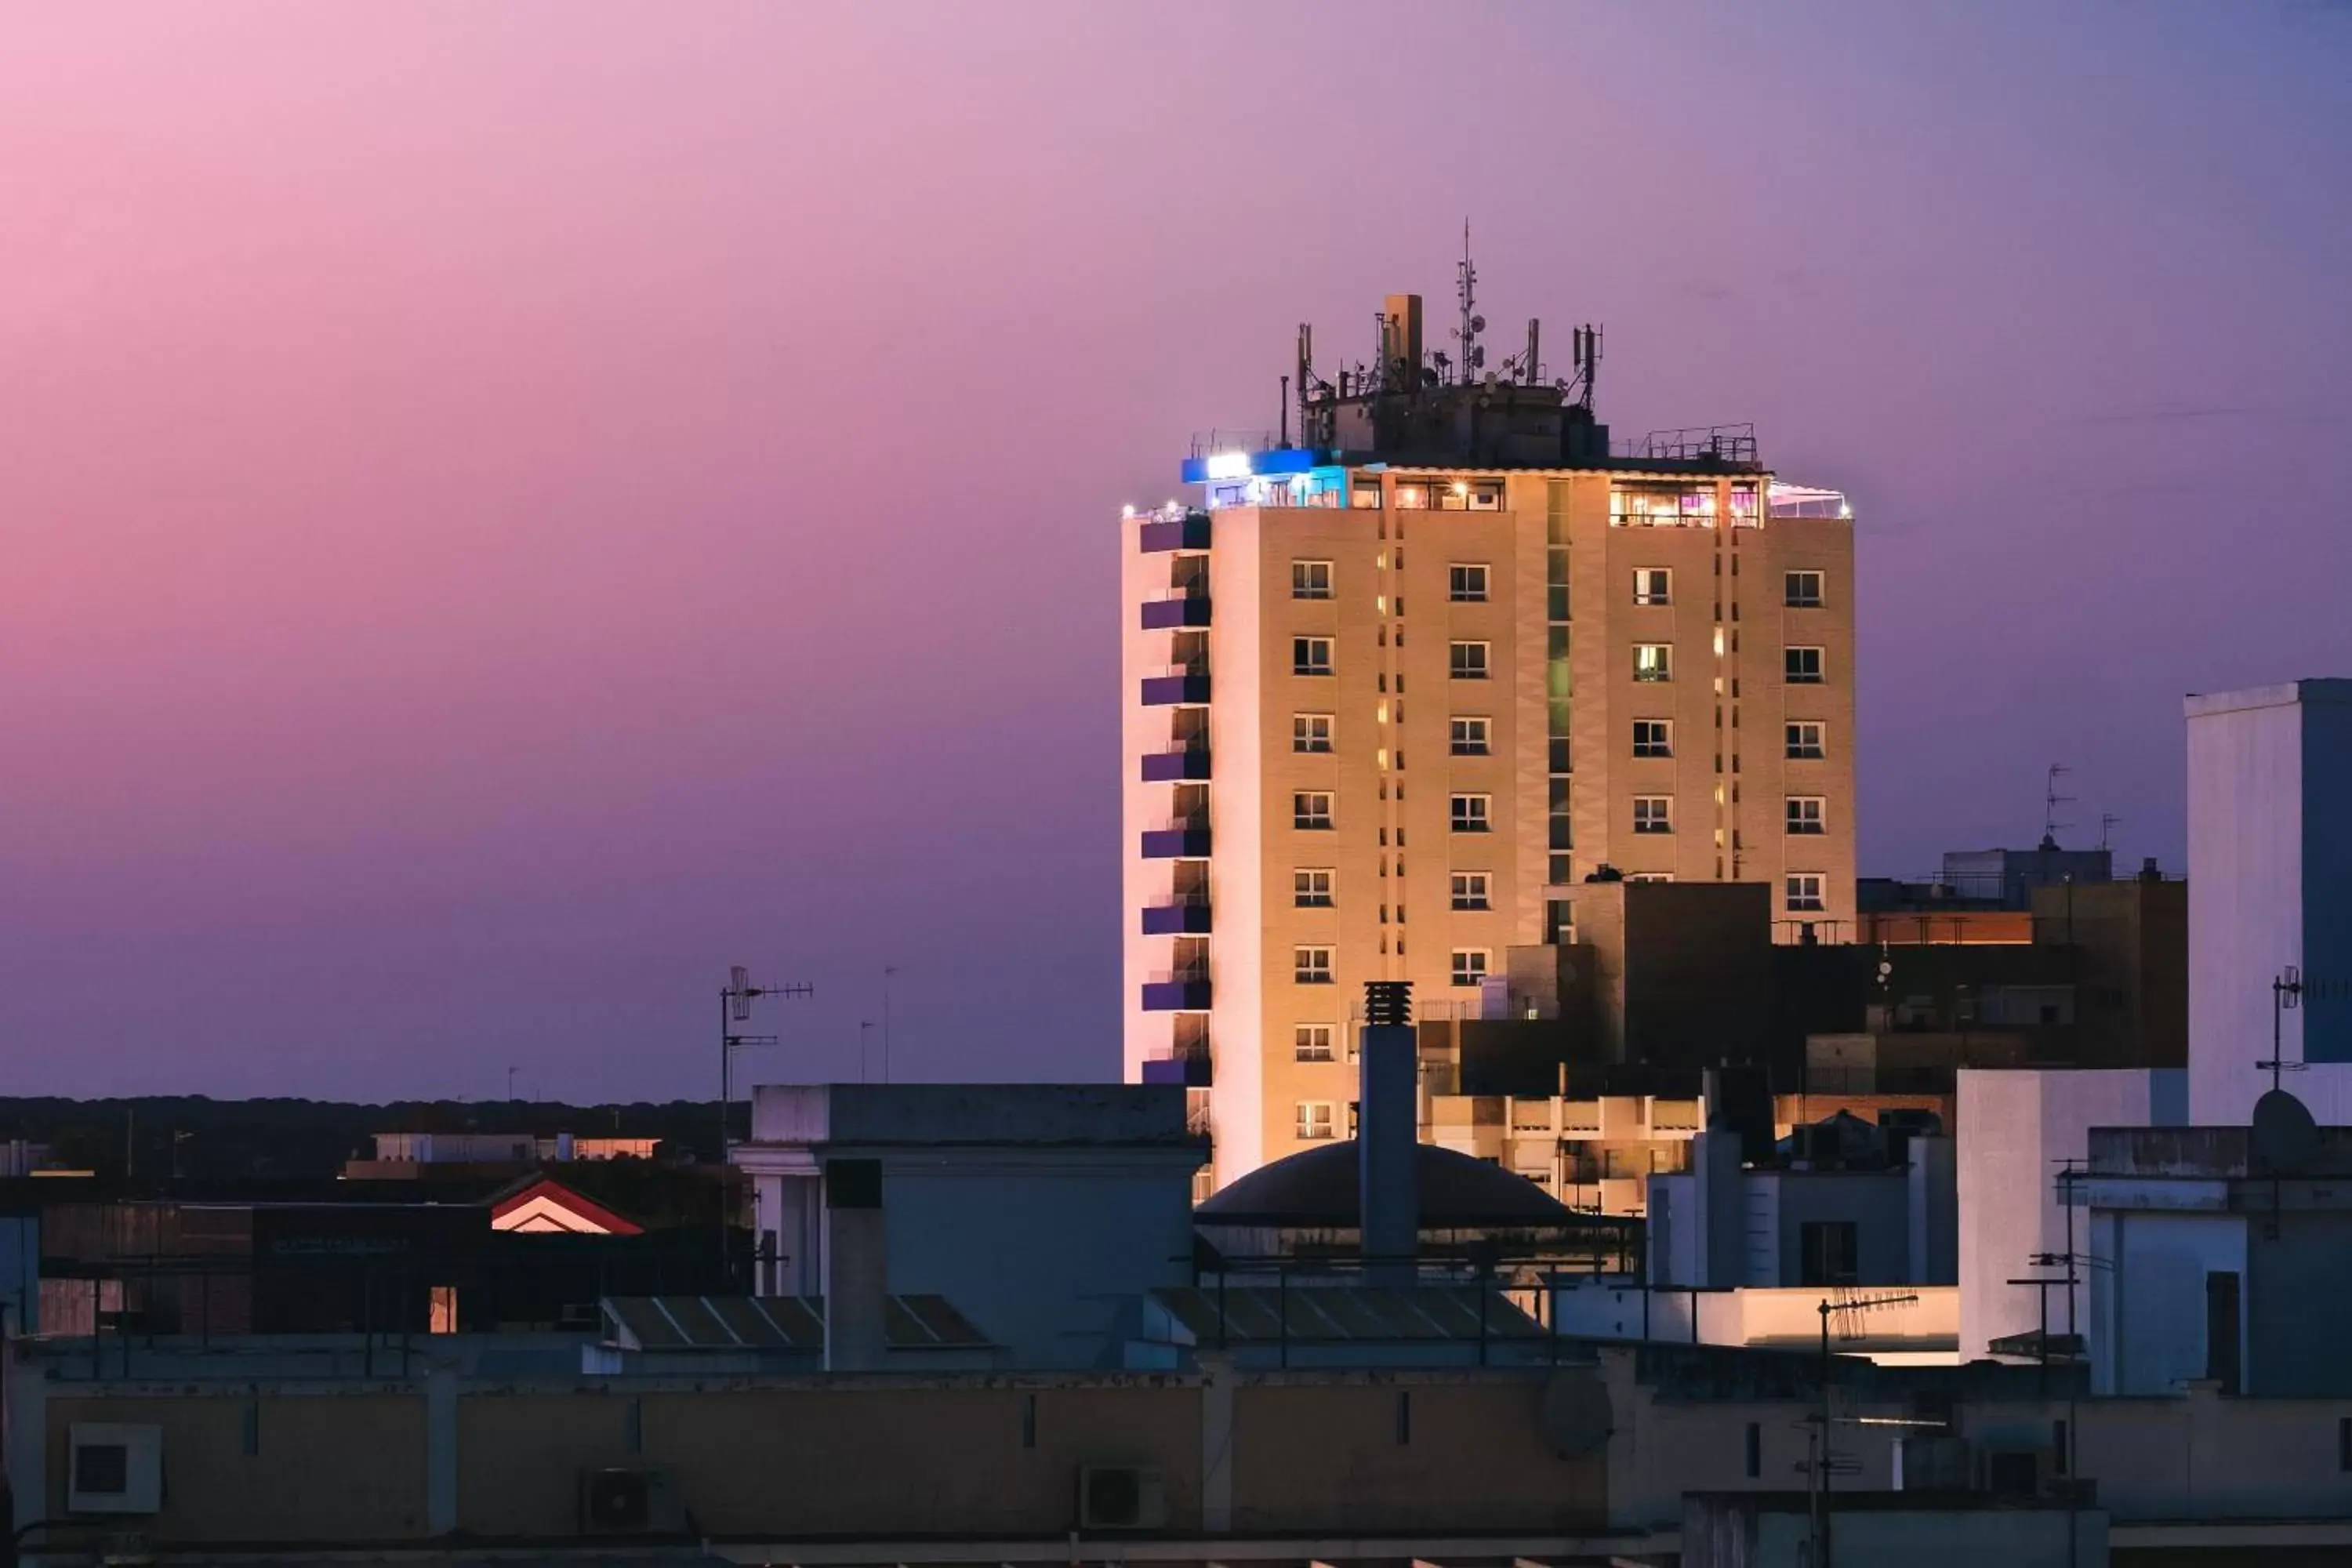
(2329, 689)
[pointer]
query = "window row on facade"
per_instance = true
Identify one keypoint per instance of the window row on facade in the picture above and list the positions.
(1311, 965)
(1472, 735)
(1311, 888)
(1311, 811)
(1470, 582)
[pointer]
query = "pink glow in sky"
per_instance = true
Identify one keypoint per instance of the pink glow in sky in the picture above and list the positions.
(510, 508)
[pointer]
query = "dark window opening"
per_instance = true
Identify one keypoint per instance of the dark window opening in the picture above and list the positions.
(1828, 1253)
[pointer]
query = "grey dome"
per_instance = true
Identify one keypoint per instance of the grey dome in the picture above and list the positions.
(1317, 1188)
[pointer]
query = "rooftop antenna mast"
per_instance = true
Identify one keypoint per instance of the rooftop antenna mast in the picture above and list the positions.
(1584, 354)
(734, 1009)
(1846, 1306)
(2108, 823)
(1473, 358)
(2051, 801)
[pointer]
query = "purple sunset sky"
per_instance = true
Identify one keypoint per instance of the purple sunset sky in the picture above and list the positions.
(509, 508)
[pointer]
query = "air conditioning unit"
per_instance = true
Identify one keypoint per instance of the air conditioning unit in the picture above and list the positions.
(115, 1468)
(1121, 1496)
(629, 1500)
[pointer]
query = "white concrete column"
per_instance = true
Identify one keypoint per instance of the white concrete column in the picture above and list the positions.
(24, 1435)
(1217, 1376)
(440, 1451)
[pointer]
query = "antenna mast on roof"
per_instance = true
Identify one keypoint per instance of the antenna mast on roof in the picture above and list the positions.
(1473, 358)
(1584, 353)
(2051, 801)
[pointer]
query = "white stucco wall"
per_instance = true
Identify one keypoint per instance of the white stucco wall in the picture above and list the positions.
(2245, 891)
(2014, 1127)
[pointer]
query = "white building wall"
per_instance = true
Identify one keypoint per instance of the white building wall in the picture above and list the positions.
(2015, 1125)
(2246, 894)
(1141, 730)
(1238, 870)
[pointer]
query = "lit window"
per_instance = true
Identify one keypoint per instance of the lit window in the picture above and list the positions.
(1310, 579)
(1654, 585)
(1649, 875)
(1365, 495)
(1412, 495)
(1470, 813)
(1487, 496)
(1311, 965)
(1653, 738)
(1311, 1042)
(1805, 740)
(1310, 732)
(1466, 661)
(1465, 584)
(1663, 503)
(1470, 736)
(1311, 808)
(1316, 1121)
(1654, 813)
(1470, 890)
(1805, 892)
(1469, 965)
(1805, 815)
(1310, 656)
(1803, 666)
(1311, 890)
(1801, 590)
(1654, 662)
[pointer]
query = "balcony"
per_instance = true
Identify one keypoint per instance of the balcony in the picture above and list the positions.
(1184, 915)
(1189, 532)
(1177, 764)
(1177, 991)
(1179, 841)
(1187, 1065)
(1177, 686)
(1175, 612)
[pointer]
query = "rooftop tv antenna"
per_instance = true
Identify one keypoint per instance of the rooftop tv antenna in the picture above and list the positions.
(2286, 995)
(1473, 358)
(1846, 1306)
(734, 1008)
(2108, 822)
(2051, 801)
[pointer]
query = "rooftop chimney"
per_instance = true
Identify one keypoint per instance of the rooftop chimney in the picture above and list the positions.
(856, 1266)
(1387, 1135)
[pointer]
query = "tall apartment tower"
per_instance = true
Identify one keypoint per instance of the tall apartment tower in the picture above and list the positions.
(1392, 686)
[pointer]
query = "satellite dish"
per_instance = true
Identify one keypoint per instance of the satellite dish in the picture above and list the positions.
(1575, 1412)
(2285, 1139)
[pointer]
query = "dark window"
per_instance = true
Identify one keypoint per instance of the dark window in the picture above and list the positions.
(2011, 1472)
(102, 1469)
(2221, 1328)
(2058, 1448)
(1828, 1250)
(1755, 1451)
